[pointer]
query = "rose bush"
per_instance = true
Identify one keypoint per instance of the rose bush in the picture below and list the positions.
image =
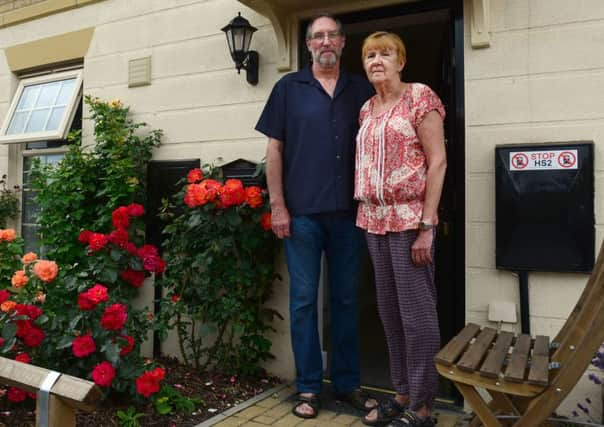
(76, 324)
(220, 255)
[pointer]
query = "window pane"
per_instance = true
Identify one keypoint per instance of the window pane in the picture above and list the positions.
(55, 118)
(49, 93)
(37, 120)
(28, 97)
(65, 92)
(30, 235)
(17, 123)
(30, 208)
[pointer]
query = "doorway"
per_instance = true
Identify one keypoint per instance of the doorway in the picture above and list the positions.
(433, 35)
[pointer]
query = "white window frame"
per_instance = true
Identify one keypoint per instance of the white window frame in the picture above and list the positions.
(70, 109)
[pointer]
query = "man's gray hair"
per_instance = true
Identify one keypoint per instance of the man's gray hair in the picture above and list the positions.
(323, 15)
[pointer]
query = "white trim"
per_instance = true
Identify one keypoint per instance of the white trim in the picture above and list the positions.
(66, 120)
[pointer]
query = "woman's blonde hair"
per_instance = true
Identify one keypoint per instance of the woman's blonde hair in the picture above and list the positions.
(384, 40)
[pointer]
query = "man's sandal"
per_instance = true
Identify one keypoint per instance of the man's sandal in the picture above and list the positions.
(386, 412)
(410, 419)
(357, 399)
(312, 401)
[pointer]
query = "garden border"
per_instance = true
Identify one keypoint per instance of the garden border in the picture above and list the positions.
(244, 405)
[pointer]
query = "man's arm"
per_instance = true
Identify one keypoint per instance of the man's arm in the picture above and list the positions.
(274, 179)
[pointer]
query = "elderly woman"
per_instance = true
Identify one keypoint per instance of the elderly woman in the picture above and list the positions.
(400, 169)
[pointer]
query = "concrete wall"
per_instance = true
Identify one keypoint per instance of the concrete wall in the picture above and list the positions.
(541, 80)
(204, 107)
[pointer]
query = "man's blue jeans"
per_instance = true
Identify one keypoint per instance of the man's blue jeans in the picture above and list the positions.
(341, 240)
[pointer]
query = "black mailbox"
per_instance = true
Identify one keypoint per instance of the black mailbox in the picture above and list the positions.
(545, 207)
(244, 170)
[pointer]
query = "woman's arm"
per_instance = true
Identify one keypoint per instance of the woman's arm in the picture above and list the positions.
(432, 139)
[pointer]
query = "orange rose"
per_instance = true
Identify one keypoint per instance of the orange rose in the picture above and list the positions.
(19, 279)
(46, 270)
(266, 221)
(29, 257)
(7, 306)
(8, 235)
(253, 196)
(232, 193)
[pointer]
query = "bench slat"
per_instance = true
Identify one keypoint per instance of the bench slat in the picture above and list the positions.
(539, 371)
(541, 346)
(474, 355)
(454, 348)
(494, 361)
(518, 360)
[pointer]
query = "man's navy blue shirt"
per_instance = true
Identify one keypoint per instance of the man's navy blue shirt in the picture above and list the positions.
(319, 137)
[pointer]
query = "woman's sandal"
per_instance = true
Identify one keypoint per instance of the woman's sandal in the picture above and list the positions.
(386, 412)
(410, 419)
(357, 399)
(312, 401)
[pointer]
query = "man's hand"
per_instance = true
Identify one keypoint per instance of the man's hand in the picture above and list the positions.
(280, 221)
(421, 249)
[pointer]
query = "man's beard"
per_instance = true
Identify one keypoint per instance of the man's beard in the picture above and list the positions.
(326, 59)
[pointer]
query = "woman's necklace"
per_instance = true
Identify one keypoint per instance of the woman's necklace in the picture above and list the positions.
(383, 106)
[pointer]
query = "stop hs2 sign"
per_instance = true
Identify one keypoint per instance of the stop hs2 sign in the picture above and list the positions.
(543, 160)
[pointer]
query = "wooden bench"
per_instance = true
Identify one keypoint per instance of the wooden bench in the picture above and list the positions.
(67, 395)
(525, 377)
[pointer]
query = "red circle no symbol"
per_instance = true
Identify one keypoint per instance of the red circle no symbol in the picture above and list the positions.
(567, 159)
(520, 160)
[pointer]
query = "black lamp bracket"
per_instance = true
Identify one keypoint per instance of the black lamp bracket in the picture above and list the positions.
(250, 64)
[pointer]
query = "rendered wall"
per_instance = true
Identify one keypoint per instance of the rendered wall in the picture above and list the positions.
(541, 80)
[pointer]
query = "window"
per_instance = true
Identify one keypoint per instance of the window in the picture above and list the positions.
(43, 108)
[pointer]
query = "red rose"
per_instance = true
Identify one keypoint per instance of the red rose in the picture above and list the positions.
(148, 383)
(103, 374)
(98, 293)
(83, 346)
(23, 327)
(134, 277)
(34, 337)
(119, 237)
(130, 248)
(134, 209)
(120, 217)
(232, 193)
(128, 346)
(97, 241)
(194, 176)
(265, 221)
(28, 310)
(4, 295)
(114, 317)
(16, 395)
(253, 196)
(84, 236)
(153, 264)
(175, 298)
(23, 358)
(85, 303)
(147, 250)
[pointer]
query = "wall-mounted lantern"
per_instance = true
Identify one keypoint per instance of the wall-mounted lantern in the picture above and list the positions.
(239, 36)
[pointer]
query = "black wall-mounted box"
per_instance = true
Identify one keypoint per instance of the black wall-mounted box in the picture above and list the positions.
(545, 207)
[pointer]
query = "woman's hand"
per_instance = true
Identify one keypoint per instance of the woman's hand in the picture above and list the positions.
(421, 250)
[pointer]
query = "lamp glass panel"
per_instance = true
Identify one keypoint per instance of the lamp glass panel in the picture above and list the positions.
(238, 39)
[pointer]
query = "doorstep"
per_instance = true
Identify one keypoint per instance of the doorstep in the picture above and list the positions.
(273, 407)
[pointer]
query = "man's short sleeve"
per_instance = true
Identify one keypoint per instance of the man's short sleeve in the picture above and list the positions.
(272, 119)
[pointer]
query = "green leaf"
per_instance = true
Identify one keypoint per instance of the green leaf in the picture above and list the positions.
(112, 351)
(74, 322)
(41, 320)
(64, 342)
(9, 330)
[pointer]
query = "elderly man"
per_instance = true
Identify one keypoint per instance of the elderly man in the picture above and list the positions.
(311, 120)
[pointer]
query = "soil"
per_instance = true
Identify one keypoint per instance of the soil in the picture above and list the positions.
(217, 392)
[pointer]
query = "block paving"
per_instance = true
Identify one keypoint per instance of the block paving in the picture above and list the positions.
(275, 410)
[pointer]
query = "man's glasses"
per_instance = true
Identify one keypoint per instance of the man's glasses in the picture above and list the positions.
(331, 35)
